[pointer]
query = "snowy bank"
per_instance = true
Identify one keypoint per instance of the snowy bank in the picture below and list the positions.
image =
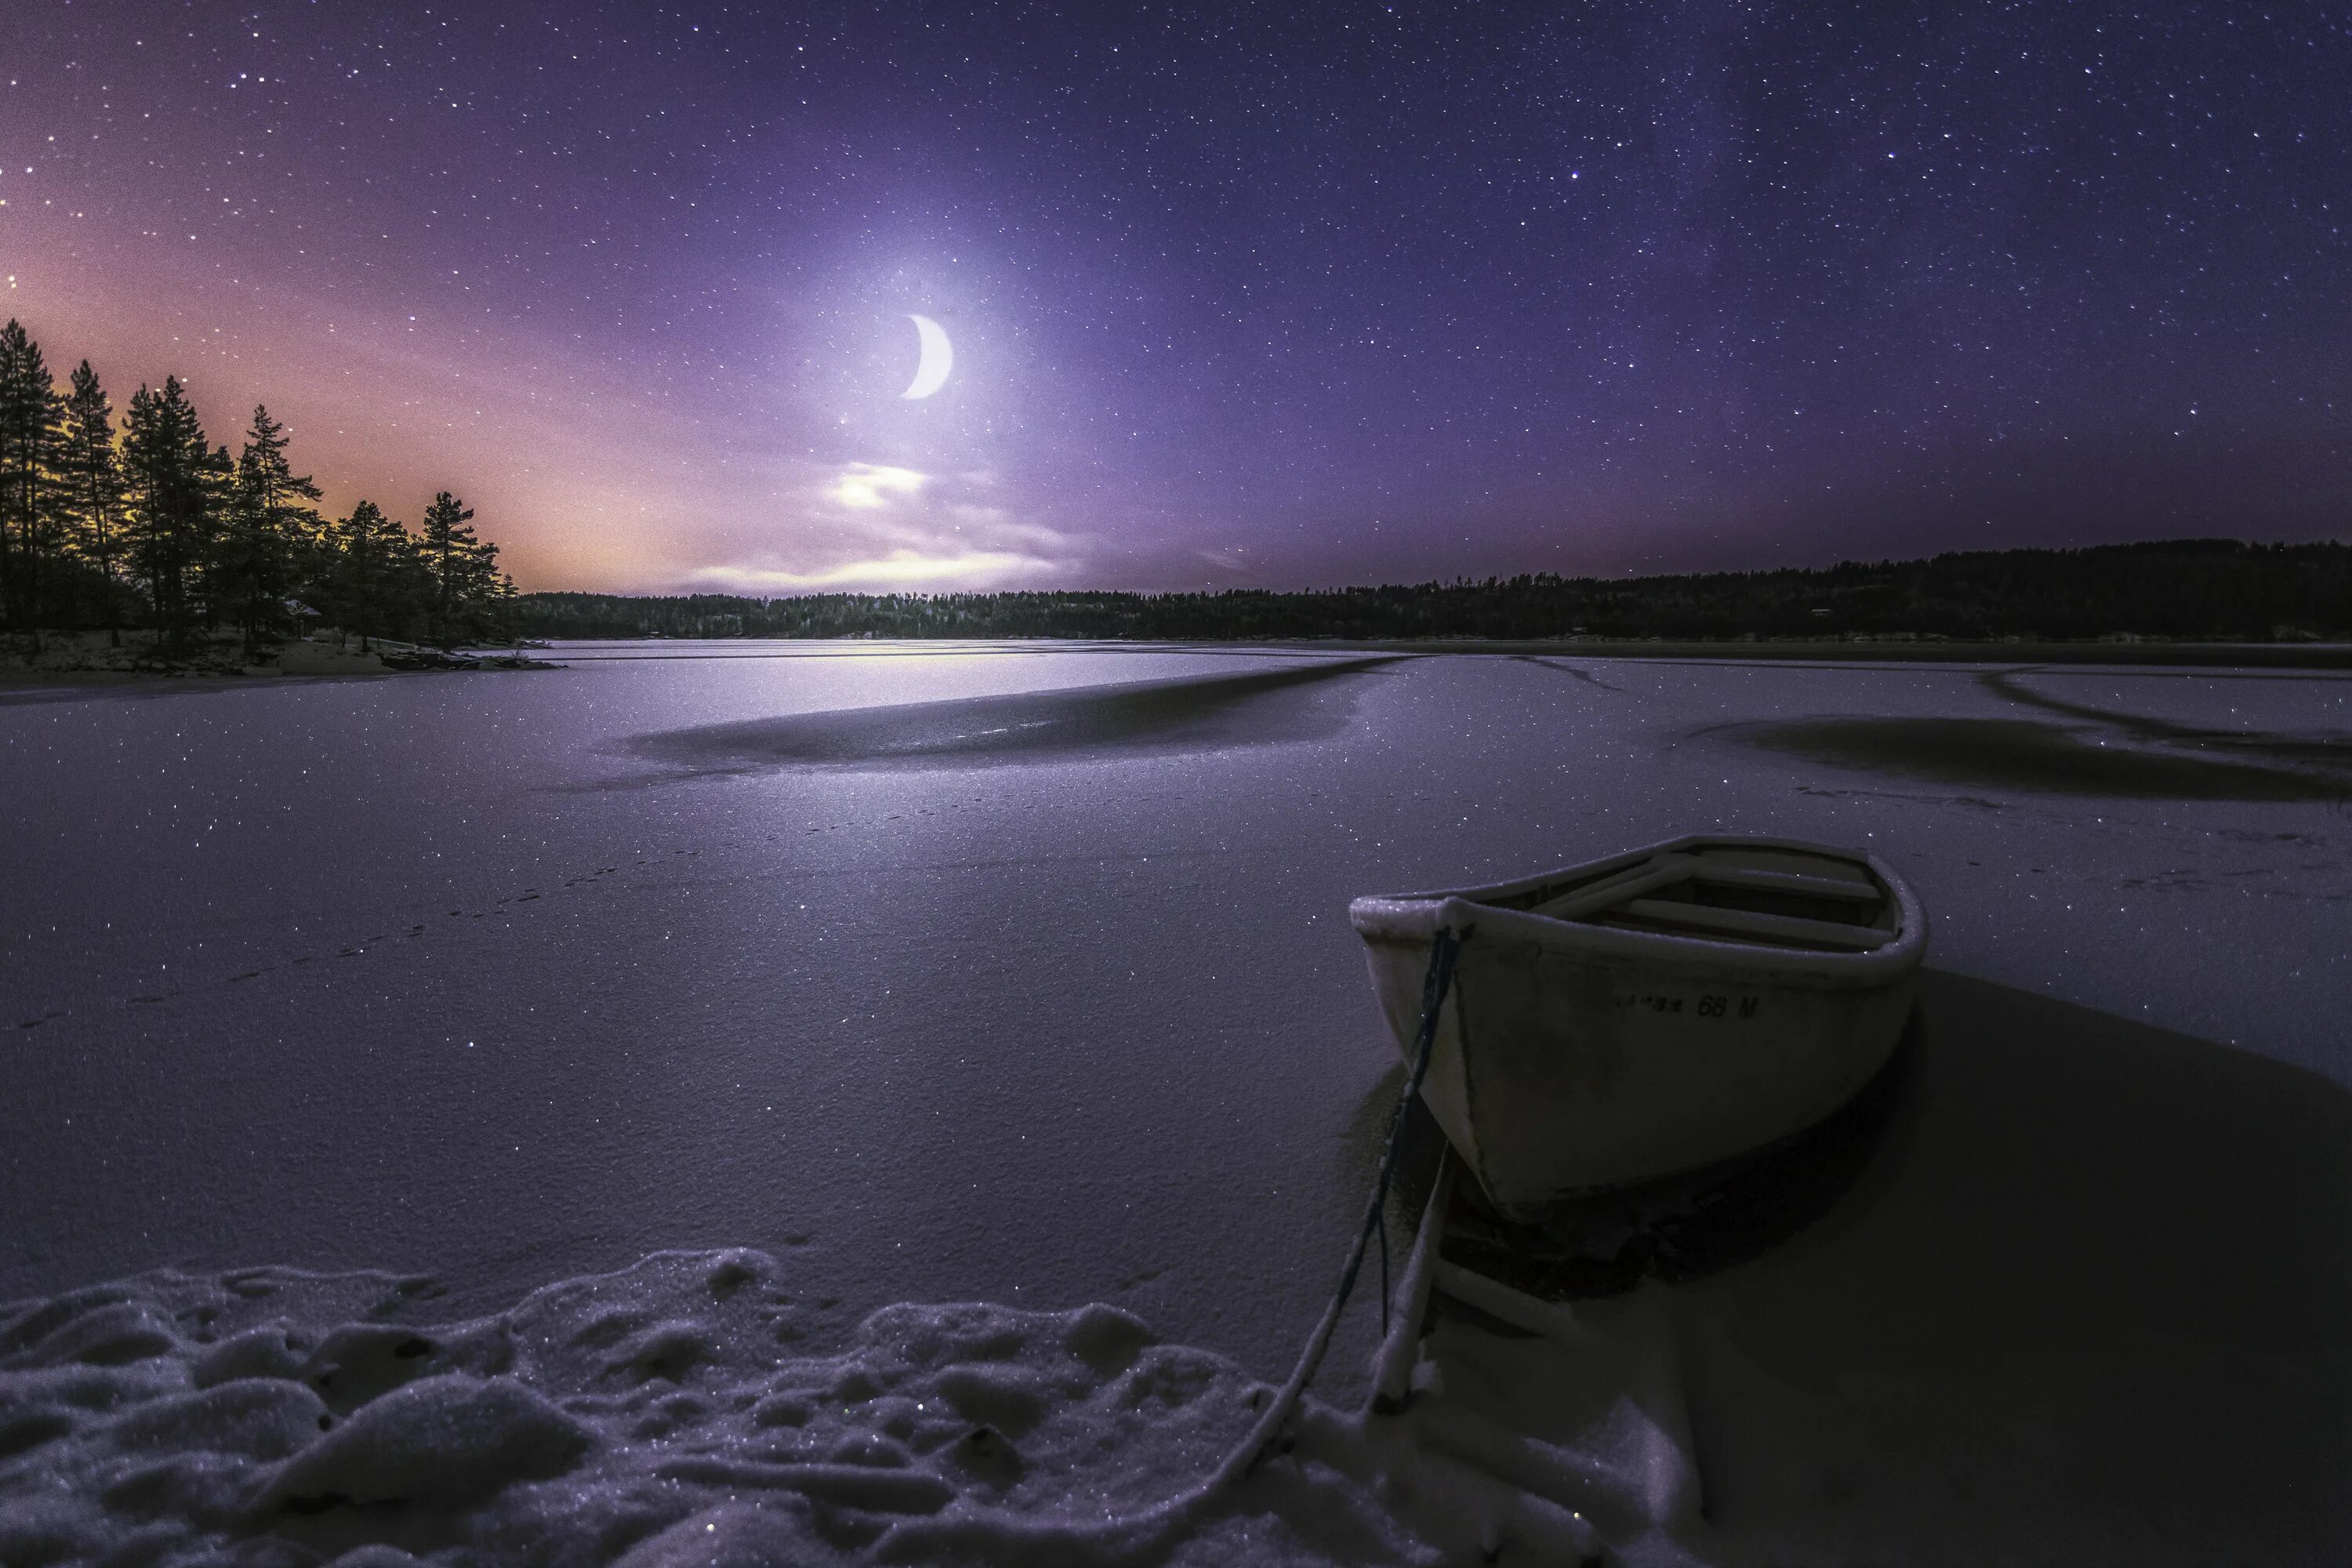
(663, 1415)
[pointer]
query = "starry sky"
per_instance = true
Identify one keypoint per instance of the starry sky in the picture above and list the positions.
(1249, 295)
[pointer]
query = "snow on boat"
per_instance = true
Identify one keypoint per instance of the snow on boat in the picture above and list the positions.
(1650, 1013)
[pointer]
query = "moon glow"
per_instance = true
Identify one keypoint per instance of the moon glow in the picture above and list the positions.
(931, 372)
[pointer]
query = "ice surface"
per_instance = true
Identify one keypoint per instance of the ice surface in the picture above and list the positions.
(511, 978)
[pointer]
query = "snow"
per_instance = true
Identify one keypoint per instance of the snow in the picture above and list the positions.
(664, 1415)
(1048, 1000)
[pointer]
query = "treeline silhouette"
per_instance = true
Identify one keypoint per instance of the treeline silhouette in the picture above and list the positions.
(149, 525)
(2192, 588)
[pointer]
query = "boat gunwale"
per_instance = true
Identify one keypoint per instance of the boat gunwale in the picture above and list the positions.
(1415, 917)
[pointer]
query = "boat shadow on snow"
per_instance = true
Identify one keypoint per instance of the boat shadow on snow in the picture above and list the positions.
(1142, 718)
(1688, 1226)
(2032, 1125)
(2133, 1247)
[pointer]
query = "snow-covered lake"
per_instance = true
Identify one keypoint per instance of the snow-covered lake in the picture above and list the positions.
(982, 973)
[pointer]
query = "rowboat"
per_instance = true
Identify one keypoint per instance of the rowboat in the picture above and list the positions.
(1652, 1012)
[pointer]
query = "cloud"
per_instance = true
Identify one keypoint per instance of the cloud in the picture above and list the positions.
(867, 485)
(901, 569)
(881, 528)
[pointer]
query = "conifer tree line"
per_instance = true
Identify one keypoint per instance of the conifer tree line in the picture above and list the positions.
(147, 525)
(2177, 589)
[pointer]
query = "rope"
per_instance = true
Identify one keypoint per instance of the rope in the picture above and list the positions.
(1443, 952)
(916, 1538)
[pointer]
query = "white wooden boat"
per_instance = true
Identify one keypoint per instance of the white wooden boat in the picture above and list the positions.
(1650, 1013)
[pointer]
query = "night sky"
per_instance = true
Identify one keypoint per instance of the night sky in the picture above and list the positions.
(1260, 295)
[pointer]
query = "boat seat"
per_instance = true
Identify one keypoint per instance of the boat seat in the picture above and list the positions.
(1701, 919)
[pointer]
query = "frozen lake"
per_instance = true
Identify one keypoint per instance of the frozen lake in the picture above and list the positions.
(1022, 974)
(1043, 997)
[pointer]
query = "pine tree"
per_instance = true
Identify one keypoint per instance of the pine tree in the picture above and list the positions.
(217, 574)
(377, 554)
(491, 609)
(93, 488)
(270, 529)
(460, 569)
(30, 416)
(174, 485)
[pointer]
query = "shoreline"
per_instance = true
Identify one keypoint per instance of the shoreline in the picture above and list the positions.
(77, 659)
(2266, 656)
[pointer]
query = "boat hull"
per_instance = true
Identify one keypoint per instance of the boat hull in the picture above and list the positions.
(1574, 1057)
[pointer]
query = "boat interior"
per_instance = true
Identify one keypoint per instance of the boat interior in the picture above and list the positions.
(1768, 897)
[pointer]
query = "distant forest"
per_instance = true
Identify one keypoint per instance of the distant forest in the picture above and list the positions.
(2190, 589)
(150, 526)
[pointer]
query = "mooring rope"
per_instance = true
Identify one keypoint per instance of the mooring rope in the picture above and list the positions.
(908, 1541)
(1444, 950)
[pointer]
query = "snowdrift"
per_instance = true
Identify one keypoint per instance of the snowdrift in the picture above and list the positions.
(662, 1414)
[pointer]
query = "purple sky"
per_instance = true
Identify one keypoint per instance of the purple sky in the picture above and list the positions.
(1257, 295)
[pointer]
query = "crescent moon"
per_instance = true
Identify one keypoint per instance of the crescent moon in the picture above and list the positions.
(931, 372)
